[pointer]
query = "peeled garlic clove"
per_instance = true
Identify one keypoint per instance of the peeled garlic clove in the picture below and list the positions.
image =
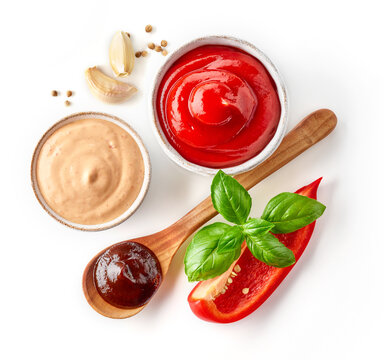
(106, 88)
(121, 54)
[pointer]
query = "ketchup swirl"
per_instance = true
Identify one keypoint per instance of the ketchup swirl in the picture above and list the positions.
(218, 106)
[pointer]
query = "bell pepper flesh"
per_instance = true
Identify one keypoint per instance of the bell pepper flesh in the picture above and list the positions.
(260, 279)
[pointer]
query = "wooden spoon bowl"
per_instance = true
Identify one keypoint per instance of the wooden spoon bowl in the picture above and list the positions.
(165, 243)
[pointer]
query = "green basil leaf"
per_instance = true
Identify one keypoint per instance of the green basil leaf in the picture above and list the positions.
(230, 240)
(254, 227)
(290, 212)
(268, 249)
(230, 199)
(202, 261)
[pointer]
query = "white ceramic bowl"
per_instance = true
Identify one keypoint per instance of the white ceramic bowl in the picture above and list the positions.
(281, 89)
(135, 204)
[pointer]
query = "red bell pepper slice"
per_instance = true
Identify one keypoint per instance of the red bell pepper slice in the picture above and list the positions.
(253, 284)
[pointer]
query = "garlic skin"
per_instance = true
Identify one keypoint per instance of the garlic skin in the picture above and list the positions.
(121, 54)
(106, 88)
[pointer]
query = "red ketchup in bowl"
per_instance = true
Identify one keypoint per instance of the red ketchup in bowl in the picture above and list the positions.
(218, 106)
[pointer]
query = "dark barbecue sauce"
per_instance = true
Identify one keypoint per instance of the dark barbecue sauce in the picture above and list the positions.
(127, 275)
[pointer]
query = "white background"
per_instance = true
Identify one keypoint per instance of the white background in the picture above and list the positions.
(330, 306)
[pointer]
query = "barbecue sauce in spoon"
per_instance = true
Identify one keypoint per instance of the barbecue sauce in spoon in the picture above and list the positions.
(127, 275)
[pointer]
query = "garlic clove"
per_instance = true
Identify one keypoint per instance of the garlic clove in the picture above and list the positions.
(121, 54)
(106, 88)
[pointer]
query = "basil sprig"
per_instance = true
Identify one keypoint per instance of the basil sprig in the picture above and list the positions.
(202, 260)
(268, 249)
(230, 199)
(215, 247)
(290, 212)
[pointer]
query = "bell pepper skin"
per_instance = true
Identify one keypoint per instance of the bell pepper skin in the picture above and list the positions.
(260, 279)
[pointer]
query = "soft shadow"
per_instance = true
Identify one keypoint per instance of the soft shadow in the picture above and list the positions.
(266, 310)
(159, 301)
(168, 185)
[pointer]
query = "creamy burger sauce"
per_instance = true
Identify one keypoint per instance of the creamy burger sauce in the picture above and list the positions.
(90, 171)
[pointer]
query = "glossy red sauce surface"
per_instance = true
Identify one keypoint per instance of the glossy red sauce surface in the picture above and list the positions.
(127, 275)
(218, 106)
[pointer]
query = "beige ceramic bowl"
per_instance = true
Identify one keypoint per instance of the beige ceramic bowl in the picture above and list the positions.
(281, 89)
(136, 203)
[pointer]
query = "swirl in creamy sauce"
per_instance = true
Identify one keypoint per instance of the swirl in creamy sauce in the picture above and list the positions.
(90, 171)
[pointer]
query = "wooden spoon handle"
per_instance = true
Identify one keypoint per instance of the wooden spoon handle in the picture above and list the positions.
(308, 132)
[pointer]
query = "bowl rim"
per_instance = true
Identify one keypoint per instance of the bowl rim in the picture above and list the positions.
(144, 153)
(272, 70)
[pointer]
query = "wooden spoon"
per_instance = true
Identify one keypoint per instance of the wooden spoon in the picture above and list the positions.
(165, 243)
